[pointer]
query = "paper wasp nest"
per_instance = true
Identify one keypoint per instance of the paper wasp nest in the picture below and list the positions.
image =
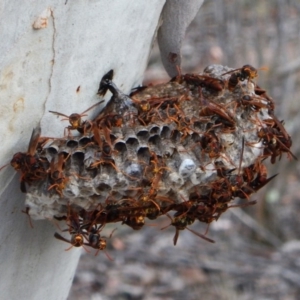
(189, 146)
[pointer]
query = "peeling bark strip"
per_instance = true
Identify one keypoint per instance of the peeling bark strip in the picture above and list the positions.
(189, 146)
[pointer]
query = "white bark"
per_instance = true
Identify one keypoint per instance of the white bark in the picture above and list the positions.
(48, 49)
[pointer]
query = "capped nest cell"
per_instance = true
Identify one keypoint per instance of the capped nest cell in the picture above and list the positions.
(189, 146)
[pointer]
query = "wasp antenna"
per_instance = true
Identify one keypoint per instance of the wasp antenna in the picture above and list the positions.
(82, 114)
(4, 166)
(59, 114)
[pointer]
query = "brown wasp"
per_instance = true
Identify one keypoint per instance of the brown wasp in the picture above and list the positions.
(210, 108)
(57, 176)
(111, 213)
(75, 120)
(279, 126)
(180, 222)
(152, 212)
(203, 211)
(211, 145)
(83, 234)
(77, 240)
(200, 207)
(109, 120)
(221, 191)
(102, 125)
(246, 72)
(96, 241)
(256, 177)
(210, 83)
(283, 138)
(261, 179)
(151, 108)
(74, 228)
(261, 92)
(106, 159)
(32, 168)
(132, 214)
(77, 231)
(135, 222)
(275, 142)
(156, 172)
(253, 103)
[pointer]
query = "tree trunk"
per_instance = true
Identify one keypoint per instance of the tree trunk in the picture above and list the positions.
(52, 57)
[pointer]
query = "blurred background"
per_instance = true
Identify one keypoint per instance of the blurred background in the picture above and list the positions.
(257, 250)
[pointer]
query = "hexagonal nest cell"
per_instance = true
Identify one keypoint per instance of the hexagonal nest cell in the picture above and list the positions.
(189, 146)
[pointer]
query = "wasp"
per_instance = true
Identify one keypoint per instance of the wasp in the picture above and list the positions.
(253, 103)
(135, 222)
(96, 241)
(32, 168)
(157, 170)
(180, 222)
(152, 212)
(256, 177)
(262, 93)
(261, 178)
(82, 232)
(77, 239)
(111, 213)
(210, 108)
(106, 160)
(279, 126)
(74, 228)
(210, 83)
(103, 125)
(201, 208)
(75, 120)
(275, 142)
(211, 145)
(149, 109)
(221, 191)
(57, 176)
(245, 72)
